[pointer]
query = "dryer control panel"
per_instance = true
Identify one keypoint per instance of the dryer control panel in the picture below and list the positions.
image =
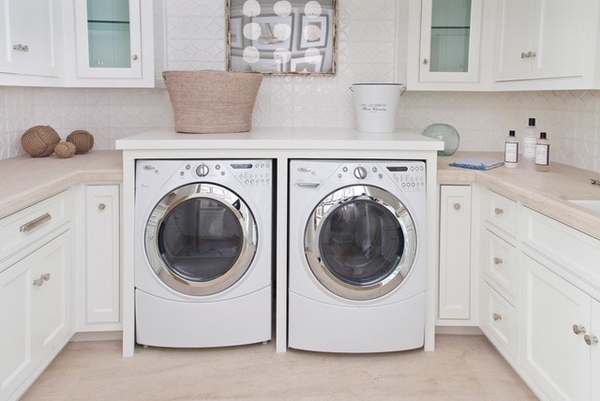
(409, 175)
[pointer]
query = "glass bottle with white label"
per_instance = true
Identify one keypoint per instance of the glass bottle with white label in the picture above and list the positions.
(542, 153)
(511, 150)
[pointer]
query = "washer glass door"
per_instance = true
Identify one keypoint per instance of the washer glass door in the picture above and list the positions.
(200, 239)
(360, 242)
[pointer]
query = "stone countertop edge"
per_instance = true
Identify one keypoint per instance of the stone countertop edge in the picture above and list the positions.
(546, 192)
(25, 180)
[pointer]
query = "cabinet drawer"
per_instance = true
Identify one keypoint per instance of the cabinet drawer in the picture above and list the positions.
(575, 251)
(500, 262)
(32, 223)
(498, 320)
(501, 212)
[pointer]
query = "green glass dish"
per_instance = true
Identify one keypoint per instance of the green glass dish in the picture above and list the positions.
(446, 133)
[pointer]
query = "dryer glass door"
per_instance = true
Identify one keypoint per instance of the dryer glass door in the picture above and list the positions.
(360, 242)
(200, 239)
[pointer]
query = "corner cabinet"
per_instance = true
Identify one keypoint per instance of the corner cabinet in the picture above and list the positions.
(35, 292)
(114, 44)
(454, 304)
(98, 276)
(30, 45)
(445, 45)
(546, 44)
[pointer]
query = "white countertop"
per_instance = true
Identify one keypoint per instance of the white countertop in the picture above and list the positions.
(547, 192)
(282, 139)
(25, 180)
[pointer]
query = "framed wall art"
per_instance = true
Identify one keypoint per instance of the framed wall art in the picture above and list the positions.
(281, 36)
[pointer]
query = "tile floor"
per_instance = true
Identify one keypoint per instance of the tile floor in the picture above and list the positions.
(461, 368)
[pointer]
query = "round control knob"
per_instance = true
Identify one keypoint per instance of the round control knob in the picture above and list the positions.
(360, 173)
(202, 170)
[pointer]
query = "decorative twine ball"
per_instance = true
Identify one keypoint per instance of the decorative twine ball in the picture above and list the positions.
(83, 141)
(40, 140)
(64, 150)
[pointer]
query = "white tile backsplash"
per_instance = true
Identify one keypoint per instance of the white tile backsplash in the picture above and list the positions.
(369, 39)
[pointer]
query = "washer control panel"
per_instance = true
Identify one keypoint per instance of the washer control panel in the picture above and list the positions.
(249, 173)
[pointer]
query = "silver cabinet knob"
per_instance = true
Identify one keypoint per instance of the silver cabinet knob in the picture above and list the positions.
(498, 211)
(590, 340)
(457, 206)
(497, 316)
(101, 206)
(21, 48)
(578, 329)
(40, 281)
(135, 57)
(425, 61)
(497, 261)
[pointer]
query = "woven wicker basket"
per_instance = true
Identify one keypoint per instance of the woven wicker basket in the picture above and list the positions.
(207, 102)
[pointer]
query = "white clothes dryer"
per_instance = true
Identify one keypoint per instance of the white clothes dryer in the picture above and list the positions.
(202, 252)
(356, 255)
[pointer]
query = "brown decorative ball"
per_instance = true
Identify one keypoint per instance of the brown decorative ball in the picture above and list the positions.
(83, 141)
(64, 150)
(39, 141)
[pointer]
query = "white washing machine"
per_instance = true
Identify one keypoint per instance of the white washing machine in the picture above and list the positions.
(203, 262)
(356, 255)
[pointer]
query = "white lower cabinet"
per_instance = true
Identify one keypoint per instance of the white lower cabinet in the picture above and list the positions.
(102, 258)
(35, 313)
(99, 266)
(455, 274)
(556, 321)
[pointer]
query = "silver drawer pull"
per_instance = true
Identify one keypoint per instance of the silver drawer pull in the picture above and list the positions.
(498, 211)
(35, 223)
(590, 340)
(457, 206)
(497, 261)
(497, 316)
(40, 281)
(21, 48)
(101, 206)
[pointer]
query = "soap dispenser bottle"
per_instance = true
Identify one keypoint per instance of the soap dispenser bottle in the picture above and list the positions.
(529, 140)
(542, 153)
(511, 150)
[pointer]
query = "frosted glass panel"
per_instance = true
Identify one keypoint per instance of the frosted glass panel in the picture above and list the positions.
(109, 33)
(450, 35)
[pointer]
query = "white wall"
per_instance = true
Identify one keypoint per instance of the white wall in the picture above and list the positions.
(368, 34)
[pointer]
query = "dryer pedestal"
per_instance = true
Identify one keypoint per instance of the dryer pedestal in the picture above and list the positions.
(244, 320)
(315, 326)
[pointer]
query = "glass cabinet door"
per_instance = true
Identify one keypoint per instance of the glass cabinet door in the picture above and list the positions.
(450, 37)
(109, 32)
(109, 38)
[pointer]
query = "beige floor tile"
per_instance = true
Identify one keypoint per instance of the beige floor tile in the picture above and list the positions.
(462, 368)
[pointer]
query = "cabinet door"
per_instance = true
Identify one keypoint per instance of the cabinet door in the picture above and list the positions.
(15, 313)
(102, 267)
(540, 39)
(51, 295)
(514, 39)
(595, 349)
(34, 311)
(554, 316)
(455, 252)
(114, 43)
(450, 40)
(28, 37)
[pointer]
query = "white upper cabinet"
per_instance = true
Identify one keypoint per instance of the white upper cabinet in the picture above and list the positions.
(114, 44)
(445, 45)
(546, 44)
(77, 43)
(29, 42)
